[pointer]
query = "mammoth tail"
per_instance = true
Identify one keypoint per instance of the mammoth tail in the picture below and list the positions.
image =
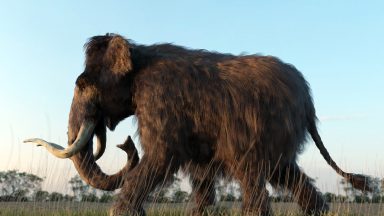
(358, 181)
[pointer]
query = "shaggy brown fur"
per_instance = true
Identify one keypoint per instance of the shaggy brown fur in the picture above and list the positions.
(208, 113)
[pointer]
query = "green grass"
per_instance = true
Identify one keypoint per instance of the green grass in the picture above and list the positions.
(232, 209)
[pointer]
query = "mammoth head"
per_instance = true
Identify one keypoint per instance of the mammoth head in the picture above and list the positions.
(103, 91)
(102, 98)
(109, 54)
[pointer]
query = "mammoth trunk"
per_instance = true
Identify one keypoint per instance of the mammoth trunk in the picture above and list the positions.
(83, 111)
(91, 173)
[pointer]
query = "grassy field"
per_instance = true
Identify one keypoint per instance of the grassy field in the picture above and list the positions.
(80, 209)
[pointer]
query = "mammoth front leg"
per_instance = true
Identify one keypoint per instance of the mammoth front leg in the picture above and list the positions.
(151, 170)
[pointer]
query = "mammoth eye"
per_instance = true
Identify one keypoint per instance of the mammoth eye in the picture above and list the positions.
(81, 82)
(84, 80)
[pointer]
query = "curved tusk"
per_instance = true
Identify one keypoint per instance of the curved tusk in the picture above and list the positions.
(100, 146)
(85, 133)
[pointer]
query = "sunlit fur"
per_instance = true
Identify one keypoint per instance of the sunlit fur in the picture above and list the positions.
(207, 113)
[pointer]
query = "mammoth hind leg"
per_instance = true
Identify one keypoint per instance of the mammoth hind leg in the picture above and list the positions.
(253, 185)
(203, 187)
(301, 187)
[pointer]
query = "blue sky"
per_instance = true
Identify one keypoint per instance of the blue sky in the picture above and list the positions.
(338, 46)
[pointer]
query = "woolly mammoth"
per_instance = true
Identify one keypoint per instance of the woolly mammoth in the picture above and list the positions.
(209, 114)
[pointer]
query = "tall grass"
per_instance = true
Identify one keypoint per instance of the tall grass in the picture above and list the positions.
(58, 172)
(231, 209)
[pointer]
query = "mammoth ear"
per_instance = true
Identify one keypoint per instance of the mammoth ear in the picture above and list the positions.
(117, 57)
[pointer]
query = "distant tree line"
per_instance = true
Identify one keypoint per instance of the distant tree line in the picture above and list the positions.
(351, 195)
(18, 186)
(22, 186)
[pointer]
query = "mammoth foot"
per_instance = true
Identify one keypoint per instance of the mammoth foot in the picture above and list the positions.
(210, 210)
(196, 212)
(320, 209)
(127, 212)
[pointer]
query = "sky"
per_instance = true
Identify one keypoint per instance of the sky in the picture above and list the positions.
(337, 45)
